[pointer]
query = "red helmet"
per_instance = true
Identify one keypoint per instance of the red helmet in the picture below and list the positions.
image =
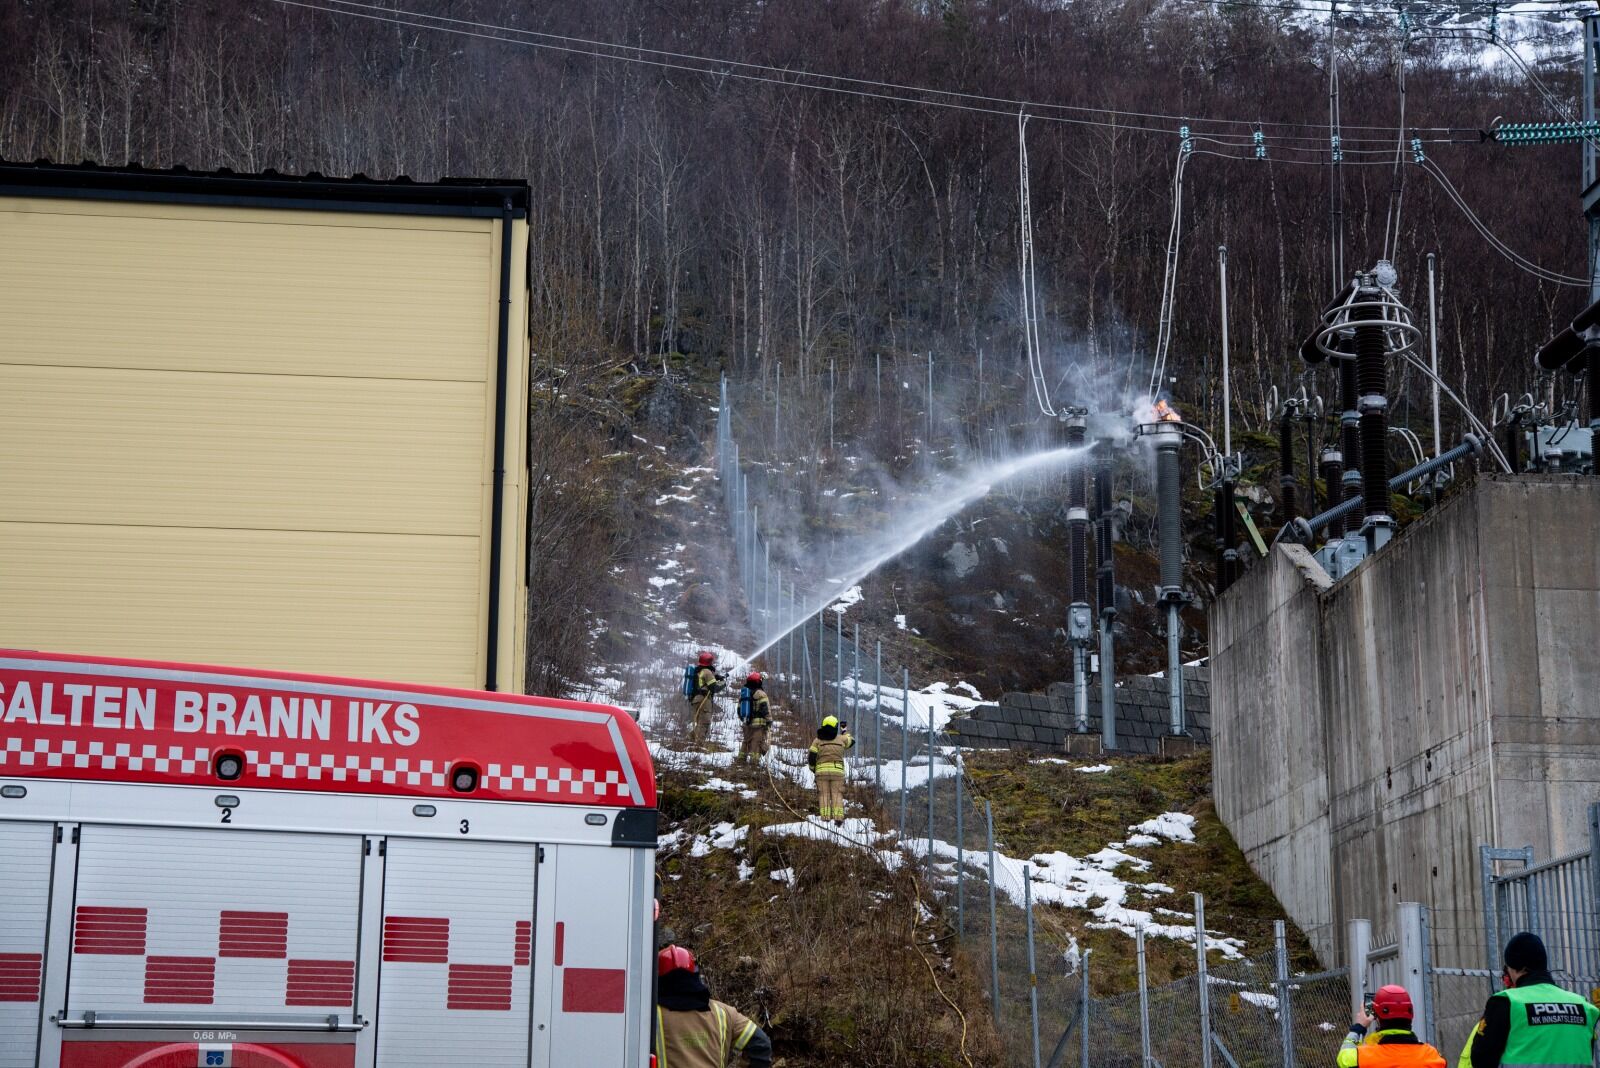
(755, 678)
(673, 958)
(1391, 1003)
(707, 658)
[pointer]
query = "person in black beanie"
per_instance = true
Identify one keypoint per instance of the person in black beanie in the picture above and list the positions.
(1533, 1021)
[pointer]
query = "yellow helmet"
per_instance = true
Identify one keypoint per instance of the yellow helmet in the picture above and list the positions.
(830, 721)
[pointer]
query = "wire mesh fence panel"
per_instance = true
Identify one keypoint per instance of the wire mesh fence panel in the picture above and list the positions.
(1175, 1023)
(1060, 1001)
(1244, 1012)
(1320, 1013)
(1114, 1033)
(1457, 1007)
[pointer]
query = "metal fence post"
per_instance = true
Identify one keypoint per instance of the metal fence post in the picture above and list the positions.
(1358, 944)
(1033, 975)
(1592, 966)
(822, 661)
(1280, 940)
(1491, 933)
(1083, 1019)
(905, 742)
(839, 669)
(1144, 1000)
(961, 855)
(1204, 979)
(877, 724)
(1413, 970)
(994, 923)
(855, 672)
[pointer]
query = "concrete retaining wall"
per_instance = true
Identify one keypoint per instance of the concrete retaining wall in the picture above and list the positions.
(1371, 734)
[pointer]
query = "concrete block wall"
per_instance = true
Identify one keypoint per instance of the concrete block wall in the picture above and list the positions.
(1043, 721)
(1370, 734)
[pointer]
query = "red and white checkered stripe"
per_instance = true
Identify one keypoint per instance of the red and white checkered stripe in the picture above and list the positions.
(538, 781)
(319, 767)
(542, 780)
(107, 756)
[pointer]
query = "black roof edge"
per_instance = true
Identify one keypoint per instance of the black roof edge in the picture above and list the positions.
(267, 189)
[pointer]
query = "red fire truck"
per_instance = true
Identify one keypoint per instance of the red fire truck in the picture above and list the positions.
(219, 866)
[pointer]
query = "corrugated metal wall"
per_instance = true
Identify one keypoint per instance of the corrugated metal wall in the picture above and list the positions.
(257, 437)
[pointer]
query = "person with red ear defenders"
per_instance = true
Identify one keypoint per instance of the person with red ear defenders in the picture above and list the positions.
(1393, 1044)
(692, 1029)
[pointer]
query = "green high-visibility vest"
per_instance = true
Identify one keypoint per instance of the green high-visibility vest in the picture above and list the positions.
(1550, 1028)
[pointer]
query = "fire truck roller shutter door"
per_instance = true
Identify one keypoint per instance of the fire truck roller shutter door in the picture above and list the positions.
(456, 982)
(238, 922)
(599, 1000)
(24, 910)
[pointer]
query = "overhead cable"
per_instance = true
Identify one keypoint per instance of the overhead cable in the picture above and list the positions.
(1542, 273)
(804, 79)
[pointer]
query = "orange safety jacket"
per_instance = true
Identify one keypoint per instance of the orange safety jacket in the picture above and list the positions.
(1394, 1048)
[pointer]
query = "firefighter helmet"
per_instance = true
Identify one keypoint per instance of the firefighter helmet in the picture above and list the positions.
(674, 957)
(755, 678)
(707, 658)
(830, 721)
(1391, 1003)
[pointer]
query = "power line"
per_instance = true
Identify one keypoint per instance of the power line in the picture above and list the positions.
(1542, 273)
(805, 79)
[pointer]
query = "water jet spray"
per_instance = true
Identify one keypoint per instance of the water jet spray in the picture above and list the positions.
(876, 550)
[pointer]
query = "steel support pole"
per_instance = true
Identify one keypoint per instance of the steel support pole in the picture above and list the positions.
(1280, 940)
(994, 923)
(1108, 686)
(1227, 396)
(1144, 1000)
(1433, 355)
(1204, 979)
(1033, 973)
(1175, 670)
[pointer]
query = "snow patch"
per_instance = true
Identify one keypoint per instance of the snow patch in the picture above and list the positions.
(1175, 826)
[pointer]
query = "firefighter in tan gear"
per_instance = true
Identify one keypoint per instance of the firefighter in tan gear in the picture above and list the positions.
(826, 759)
(755, 712)
(694, 1031)
(704, 686)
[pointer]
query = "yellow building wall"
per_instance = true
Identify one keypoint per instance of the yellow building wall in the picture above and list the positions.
(258, 437)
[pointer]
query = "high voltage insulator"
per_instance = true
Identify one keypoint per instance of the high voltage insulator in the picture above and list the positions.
(1545, 133)
(1261, 144)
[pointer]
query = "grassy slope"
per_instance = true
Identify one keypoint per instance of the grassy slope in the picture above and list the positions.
(836, 967)
(1043, 807)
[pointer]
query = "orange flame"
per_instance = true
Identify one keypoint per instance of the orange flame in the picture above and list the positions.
(1166, 413)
